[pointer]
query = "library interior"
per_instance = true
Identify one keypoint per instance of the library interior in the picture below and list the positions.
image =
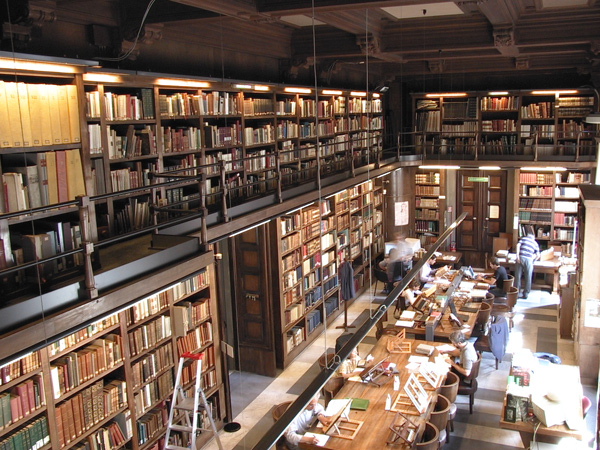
(304, 224)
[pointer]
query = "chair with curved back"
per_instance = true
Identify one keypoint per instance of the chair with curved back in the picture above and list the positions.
(439, 417)
(335, 383)
(508, 283)
(276, 413)
(430, 438)
(468, 385)
(483, 316)
(450, 390)
(381, 275)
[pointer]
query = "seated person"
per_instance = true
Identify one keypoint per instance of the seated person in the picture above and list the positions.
(409, 294)
(393, 267)
(500, 275)
(425, 274)
(302, 422)
(348, 367)
(464, 351)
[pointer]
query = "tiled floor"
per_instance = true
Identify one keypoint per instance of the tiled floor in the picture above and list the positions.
(536, 328)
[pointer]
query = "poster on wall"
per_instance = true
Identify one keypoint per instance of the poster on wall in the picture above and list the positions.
(401, 213)
(592, 313)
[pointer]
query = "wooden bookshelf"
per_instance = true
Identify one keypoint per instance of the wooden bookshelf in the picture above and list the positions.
(526, 125)
(116, 372)
(548, 203)
(296, 259)
(429, 204)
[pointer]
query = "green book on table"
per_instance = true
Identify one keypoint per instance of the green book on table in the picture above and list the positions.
(359, 404)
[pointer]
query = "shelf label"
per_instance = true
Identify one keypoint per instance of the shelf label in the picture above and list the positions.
(478, 179)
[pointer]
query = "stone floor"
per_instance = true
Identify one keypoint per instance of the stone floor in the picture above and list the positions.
(536, 328)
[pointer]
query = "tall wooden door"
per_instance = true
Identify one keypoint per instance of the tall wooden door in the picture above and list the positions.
(481, 194)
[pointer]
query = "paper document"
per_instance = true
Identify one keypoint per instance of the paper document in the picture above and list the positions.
(321, 438)
(418, 359)
(407, 315)
(478, 293)
(405, 323)
(445, 348)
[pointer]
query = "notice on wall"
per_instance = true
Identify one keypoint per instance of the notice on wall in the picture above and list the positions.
(592, 313)
(401, 213)
(494, 212)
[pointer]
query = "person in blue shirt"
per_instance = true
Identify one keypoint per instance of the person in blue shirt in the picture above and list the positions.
(528, 251)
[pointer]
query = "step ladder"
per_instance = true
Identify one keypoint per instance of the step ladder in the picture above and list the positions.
(183, 416)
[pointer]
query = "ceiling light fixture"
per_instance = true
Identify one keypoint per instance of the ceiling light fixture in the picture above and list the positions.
(295, 90)
(331, 92)
(447, 94)
(439, 167)
(557, 92)
(358, 94)
(498, 93)
(489, 168)
(101, 78)
(545, 169)
(181, 83)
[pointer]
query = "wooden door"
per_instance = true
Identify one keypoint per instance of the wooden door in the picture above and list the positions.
(482, 195)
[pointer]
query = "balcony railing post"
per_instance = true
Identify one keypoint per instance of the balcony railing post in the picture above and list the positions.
(88, 246)
(224, 191)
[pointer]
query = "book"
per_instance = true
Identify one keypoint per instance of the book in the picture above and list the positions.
(75, 180)
(51, 178)
(42, 168)
(61, 176)
(30, 176)
(53, 108)
(35, 114)
(5, 133)
(63, 113)
(46, 121)
(26, 128)
(360, 404)
(14, 191)
(73, 106)
(14, 114)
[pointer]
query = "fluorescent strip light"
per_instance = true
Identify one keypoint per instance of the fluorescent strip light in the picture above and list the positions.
(249, 228)
(297, 209)
(101, 78)
(242, 86)
(376, 95)
(498, 93)
(181, 83)
(544, 169)
(383, 174)
(489, 167)
(440, 167)
(15, 360)
(448, 94)
(294, 90)
(571, 91)
(331, 92)
(358, 94)
(338, 192)
(260, 87)
(36, 66)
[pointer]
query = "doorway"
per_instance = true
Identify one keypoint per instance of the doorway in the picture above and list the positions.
(482, 195)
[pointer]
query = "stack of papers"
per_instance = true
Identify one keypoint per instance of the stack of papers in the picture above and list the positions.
(478, 293)
(408, 315)
(466, 286)
(321, 438)
(405, 323)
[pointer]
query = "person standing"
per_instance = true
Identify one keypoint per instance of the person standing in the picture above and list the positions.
(528, 251)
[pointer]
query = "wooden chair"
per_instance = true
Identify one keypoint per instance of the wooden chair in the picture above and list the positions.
(439, 417)
(489, 298)
(430, 438)
(335, 383)
(482, 344)
(508, 283)
(468, 385)
(450, 390)
(483, 316)
(381, 275)
(276, 413)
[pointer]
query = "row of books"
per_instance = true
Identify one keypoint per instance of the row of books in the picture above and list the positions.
(499, 103)
(499, 125)
(149, 334)
(181, 139)
(293, 313)
(506, 145)
(188, 315)
(147, 307)
(536, 191)
(20, 367)
(135, 142)
(258, 106)
(77, 367)
(151, 424)
(188, 372)
(87, 332)
(541, 110)
(152, 392)
(460, 109)
(564, 219)
(196, 339)
(290, 242)
(24, 399)
(106, 438)
(542, 131)
(529, 216)
(294, 337)
(134, 215)
(216, 136)
(38, 114)
(424, 226)
(462, 128)
(535, 203)
(151, 365)
(63, 237)
(313, 320)
(260, 135)
(204, 103)
(121, 106)
(291, 296)
(87, 408)
(33, 436)
(427, 214)
(537, 178)
(53, 177)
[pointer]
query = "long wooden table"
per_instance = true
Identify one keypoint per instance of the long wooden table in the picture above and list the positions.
(544, 267)
(563, 376)
(375, 431)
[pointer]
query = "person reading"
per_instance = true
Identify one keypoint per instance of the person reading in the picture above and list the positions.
(464, 352)
(348, 367)
(426, 274)
(296, 432)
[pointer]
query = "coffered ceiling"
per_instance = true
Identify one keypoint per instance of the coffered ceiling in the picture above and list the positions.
(390, 39)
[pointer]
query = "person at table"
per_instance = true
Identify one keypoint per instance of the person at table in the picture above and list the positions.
(392, 264)
(528, 251)
(464, 353)
(405, 252)
(500, 275)
(295, 433)
(427, 274)
(348, 367)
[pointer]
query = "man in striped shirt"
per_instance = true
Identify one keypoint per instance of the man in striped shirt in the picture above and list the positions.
(528, 251)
